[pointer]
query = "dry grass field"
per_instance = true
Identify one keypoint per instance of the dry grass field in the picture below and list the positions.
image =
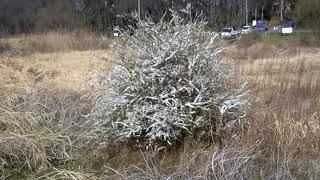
(285, 112)
(64, 70)
(45, 133)
(54, 42)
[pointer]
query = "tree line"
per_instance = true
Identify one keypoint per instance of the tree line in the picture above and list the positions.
(25, 16)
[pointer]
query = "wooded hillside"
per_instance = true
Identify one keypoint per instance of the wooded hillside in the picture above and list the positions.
(25, 16)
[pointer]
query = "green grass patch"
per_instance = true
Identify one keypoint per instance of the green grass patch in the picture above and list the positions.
(295, 37)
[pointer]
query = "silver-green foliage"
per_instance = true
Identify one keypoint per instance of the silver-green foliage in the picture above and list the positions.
(169, 81)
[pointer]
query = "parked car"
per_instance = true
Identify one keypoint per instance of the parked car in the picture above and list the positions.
(246, 30)
(288, 24)
(291, 24)
(229, 32)
(285, 28)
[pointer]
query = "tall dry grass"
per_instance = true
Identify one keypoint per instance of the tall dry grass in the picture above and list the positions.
(285, 114)
(44, 131)
(58, 41)
(190, 163)
(45, 135)
(26, 144)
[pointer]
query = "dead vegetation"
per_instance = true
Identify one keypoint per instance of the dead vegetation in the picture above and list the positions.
(274, 45)
(64, 70)
(285, 113)
(46, 134)
(50, 42)
(281, 140)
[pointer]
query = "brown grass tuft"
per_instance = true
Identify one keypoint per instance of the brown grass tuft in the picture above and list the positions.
(26, 144)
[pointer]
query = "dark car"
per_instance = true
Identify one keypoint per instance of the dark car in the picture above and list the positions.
(291, 24)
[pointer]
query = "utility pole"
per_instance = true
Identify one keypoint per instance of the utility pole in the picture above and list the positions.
(139, 10)
(281, 10)
(247, 13)
(262, 12)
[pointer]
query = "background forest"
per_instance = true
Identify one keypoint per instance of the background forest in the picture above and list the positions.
(26, 16)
